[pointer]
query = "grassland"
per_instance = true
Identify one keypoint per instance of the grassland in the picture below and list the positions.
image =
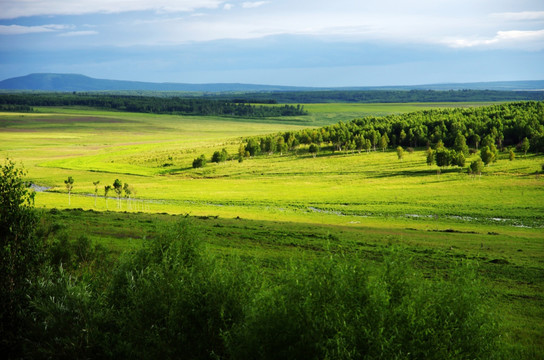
(276, 207)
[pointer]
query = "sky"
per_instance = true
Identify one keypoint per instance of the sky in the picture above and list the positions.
(279, 42)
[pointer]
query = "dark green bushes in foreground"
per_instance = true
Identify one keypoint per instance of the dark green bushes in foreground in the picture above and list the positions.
(174, 299)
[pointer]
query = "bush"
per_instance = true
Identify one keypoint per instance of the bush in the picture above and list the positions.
(199, 161)
(20, 254)
(337, 309)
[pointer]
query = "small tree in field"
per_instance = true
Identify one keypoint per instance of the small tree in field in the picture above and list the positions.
(118, 188)
(430, 156)
(199, 161)
(476, 167)
(69, 186)
(128, 191)
(525, 145)
(400, 152)
(95, 183)
(107, 189)
(511, 155)
(313, 149)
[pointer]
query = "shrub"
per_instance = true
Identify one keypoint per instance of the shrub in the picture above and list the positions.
(199, 161)
(337, 309)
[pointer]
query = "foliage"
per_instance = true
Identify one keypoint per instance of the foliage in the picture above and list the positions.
(149, 104)
(199, 161)
(20, 253)
(400, 152)
(220, 156)
(172, 299)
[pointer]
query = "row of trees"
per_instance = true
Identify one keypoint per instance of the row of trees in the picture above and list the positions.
(387, 96)
(120, 189)
(150, 104)
(514, 124)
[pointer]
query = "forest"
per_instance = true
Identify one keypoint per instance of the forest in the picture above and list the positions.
(385, 96)
(518, 125)
(149, 104)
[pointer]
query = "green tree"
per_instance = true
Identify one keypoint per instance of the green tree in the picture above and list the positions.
(400, 152)
(367, 145)
(476, 167)
(69, 183)
(20, 254)
(313, 149)
(118, 188)
(95, 183)
(107, 189)
(525, 145)
(384, 141)
(511, 155)
(199, 161)
(487, 155)
(443, 157)
(430, 156)
(460, 144)
(127, 189)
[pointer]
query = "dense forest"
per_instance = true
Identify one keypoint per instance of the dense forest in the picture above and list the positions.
(515, 124)
(385, 96)
(150, 104)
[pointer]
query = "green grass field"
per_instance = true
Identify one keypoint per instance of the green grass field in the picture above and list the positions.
(277, 207)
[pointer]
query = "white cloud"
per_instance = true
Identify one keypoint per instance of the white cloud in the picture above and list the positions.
(228, 6)
(519, 16)
(19, 30)
(12, 9)
(79, 33)
(253, 4)
(532, 39)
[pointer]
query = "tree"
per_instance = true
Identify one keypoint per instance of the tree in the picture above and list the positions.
(430, 156)
(107, 189)
(384, 141)
(95, 183)
(442, 157)
(118, 188)
(313, 149)
(458, 159)
(525, 145)
(460, 144)
(220, 156)
(199, 161)
(511, 155)
(69, 186)
(20, 253)
(241, 152)
(128, 191)
(487, 155)
(400, 152)
(476, 167)
(367, 145)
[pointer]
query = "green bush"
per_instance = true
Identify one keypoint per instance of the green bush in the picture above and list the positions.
(337, 309)
(172, 299)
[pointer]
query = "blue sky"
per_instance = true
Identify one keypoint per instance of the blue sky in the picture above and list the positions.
(281, 42)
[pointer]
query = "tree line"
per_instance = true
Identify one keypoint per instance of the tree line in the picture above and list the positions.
(518, 124)
(386, 96)
(150, 104)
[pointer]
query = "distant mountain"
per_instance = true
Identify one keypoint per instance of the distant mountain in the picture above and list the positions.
(76, 82)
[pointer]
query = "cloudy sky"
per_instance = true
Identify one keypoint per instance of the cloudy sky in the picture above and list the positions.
(281, 42)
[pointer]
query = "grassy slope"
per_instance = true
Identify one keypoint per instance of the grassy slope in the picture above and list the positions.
(289, 205)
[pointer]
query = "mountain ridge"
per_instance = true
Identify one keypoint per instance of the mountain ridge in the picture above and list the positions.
(78, 82)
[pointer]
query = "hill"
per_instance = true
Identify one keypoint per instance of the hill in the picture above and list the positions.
(77, 82)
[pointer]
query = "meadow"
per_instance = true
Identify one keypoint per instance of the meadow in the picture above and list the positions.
(273, 208)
